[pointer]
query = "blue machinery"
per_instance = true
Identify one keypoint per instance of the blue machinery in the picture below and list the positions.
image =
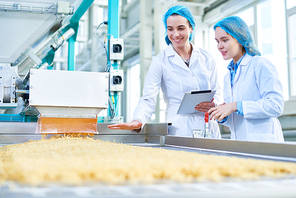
(65, 31)
(113, 29)
(74, 24)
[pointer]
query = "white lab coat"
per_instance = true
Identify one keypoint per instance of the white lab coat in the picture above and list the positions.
(168, 71)
(256, 84)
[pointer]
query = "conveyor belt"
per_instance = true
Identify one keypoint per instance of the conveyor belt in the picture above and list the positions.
(156, 135)
(152, 136)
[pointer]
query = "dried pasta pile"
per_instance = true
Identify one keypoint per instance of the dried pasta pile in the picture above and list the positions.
(74, 161)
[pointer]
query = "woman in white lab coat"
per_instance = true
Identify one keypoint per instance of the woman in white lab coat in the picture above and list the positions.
(180, 68)
(252, 91)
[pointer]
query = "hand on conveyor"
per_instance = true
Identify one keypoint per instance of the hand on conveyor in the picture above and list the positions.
(205, 106)
(133, 125)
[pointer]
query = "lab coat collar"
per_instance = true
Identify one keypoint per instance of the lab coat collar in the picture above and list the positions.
(194, 55)
(244, 62)
(170, 52)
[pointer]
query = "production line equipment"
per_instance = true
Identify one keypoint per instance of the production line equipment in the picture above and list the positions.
(70, 103)
(59, 101)
(32, 33)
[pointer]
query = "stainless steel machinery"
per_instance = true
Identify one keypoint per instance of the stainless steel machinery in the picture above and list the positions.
(31, 32)
(68, 101)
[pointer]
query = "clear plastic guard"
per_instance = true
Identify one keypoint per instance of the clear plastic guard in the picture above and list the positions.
(48, 125)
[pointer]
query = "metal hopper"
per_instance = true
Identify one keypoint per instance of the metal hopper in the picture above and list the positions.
(68, 101)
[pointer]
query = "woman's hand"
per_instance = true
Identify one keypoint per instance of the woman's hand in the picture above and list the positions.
(222, 111)
(133, 125)
(205, 106)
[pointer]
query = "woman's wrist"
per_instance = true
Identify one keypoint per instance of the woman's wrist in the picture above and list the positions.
(140, 128)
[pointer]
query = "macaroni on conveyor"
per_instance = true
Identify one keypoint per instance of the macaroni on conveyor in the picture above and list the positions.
(77, 160)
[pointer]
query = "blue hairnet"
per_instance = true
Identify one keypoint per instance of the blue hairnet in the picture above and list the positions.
(239, 30)
(180, 10)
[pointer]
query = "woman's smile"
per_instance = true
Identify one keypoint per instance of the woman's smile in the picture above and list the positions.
(177, 40)
(223, 53)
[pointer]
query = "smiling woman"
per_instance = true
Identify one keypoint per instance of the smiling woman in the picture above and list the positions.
(178, 30)
(253, 94)
(182, 67)
(228, 46)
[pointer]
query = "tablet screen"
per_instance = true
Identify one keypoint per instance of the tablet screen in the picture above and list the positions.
(191, 99)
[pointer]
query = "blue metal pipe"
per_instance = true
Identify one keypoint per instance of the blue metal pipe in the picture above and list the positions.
(74, 23)
(113, 29)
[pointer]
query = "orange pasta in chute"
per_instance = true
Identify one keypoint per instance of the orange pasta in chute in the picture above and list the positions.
(48, 125)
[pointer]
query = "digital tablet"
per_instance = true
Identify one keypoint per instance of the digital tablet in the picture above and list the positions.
(193, 98)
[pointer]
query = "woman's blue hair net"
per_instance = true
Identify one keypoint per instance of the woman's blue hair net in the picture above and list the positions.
(180, 10)
(239, 30)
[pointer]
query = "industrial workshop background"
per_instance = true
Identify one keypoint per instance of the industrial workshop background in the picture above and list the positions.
(273, 23)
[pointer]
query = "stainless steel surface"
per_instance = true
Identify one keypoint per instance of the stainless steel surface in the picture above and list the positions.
(270, 189)
(154, 139)
(156, 129)
(286, 150)
(132, 138)
(18, 138)
(17, 127)
(20, 132)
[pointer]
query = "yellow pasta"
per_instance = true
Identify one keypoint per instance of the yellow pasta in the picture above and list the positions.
(75, 160)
